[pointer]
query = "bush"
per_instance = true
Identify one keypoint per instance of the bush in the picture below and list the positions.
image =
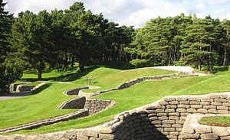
(123, 65)
(138, 63)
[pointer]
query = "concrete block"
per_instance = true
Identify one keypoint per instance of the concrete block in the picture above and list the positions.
(201, 110)
(209, 136)
(169, 129)
(181, 110)
(196, 106)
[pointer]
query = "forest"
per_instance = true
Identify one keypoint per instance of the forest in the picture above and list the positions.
(60, 39)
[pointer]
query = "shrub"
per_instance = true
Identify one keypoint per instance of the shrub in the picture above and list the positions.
(138, 63)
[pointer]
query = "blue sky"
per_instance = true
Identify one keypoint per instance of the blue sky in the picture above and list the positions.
(131, 12)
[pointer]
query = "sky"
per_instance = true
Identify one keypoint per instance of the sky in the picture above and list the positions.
(130, 12)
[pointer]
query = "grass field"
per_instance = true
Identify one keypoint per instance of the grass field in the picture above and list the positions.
(48, 75)
(110, 78)
(45, 104)
(145, 93)
(32, 108)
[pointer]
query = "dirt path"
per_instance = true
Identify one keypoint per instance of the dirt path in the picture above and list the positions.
(185, 69)
(2, 98)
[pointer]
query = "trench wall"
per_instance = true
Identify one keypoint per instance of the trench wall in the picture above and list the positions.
(161, 120)
(194, 130)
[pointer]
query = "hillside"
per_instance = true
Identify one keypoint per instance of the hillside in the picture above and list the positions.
(126, 99)
(46, 103)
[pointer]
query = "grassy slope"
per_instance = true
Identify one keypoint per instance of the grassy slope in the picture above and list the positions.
(34, 107)
(45, 104)
(215, 83)
(145, 93)
(222, 82)
(111, 78)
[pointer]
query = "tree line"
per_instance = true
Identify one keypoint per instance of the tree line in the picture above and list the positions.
(61, 38)
(183, 40)
(57, 40)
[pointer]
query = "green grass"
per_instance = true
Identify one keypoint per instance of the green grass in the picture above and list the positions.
(45, 104)
(223, 121)
(126, 99)
(53, 75)
(142, 94)
(31, 83)
(214, 83)
(34, 107)
(138, 95)
(28, 83)
(108, 78)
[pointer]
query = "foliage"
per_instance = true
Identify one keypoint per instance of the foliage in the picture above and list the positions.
(10, 64)
(59, 39)
(183, 40)
(226, 42)
(138, 63)
(160, 39)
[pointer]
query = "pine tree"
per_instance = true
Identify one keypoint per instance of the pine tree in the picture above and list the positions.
(9, 70)
(197, 45)
(5, 24)
(226, 25)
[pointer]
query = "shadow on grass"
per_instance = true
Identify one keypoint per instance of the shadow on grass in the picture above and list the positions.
(66, 77)
(73, 76)
(220, 69)
(120, 65)
(43, 87)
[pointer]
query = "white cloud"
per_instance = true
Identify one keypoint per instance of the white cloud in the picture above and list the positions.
(200, 7)
(16, 6)
(135, 12)
(153, 10)
(217, 1)
(131, 12)
(221, 14)
(139, 18)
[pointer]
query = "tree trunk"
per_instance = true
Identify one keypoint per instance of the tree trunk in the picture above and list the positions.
(72, 62)
(225, 56)
(39, 69)
(39, 74)
(210, 59)
(82, 59)
(81, 66)
(199, 64)
(199, 67)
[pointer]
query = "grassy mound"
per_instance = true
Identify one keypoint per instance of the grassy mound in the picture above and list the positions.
(142, 94)
(45, 104)
(130, 98)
